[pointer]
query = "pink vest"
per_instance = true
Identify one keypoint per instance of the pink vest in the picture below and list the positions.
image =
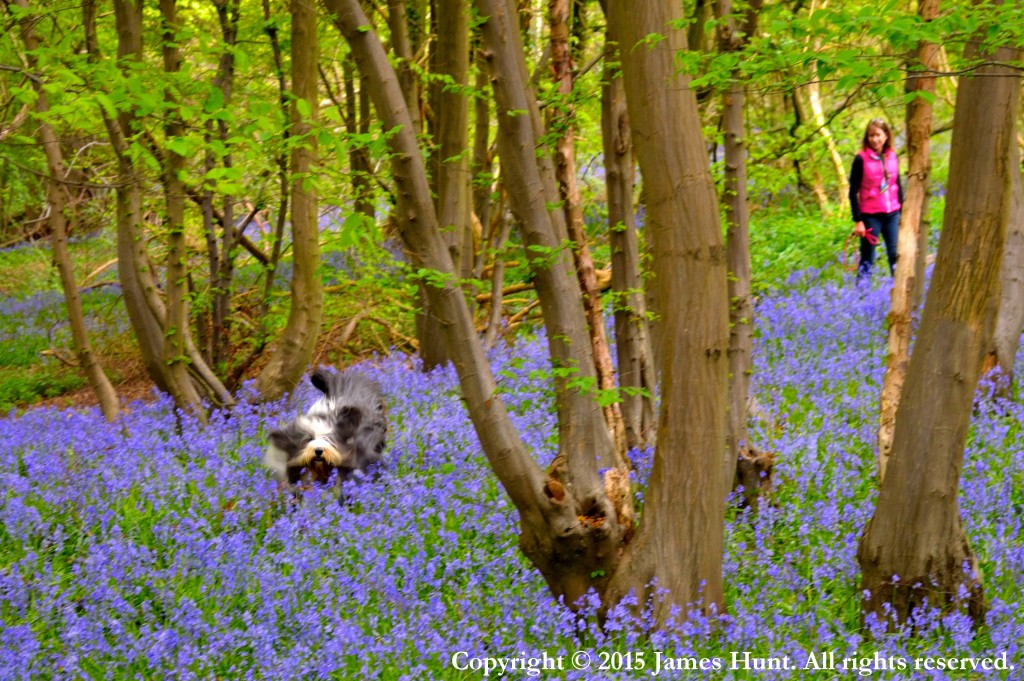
(872, 198)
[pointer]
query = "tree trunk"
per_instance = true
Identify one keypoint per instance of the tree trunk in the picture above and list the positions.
(914, 549)
(503, 230)
(55, 195)
(449, 160)
(176, 325)
(814, 99)
(737, 217)
(402, 47)
(528, 176)
(357, 122)
(919, 130)
(483, 161)
(680, 539)
(147, 310)
(572, 205)
(291, 358)
(270, 28)
(924, 228)
(227, 13)
(637, 377)
(569, 528)
(133, 269)
(1010, 321)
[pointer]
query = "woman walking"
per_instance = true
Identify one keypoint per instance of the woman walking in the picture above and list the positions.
(876, 196)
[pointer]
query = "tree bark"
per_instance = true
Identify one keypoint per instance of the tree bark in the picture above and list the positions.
(176, 326)
(295, 350)
(503, 230)
(357, 122)
(134, 272)
(147, 310)
(569, 528)
(924, 228)
(402, 47)
(451, 179)
(1010, 321)
(919, 128)
(281, 161)
(737, 217)
(680, 539)
(914, 549)
(110, 405)
(227, 13)
(572, 205)
(528, 175)
(814, 99)
(637, 376)
(483, 161)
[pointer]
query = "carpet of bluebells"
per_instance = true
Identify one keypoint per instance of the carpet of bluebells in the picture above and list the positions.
(158, 548)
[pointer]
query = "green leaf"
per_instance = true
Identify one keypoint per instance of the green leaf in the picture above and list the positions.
(351, 229)
(107, 103)
(182, 146)
(241, 58)
(214, 101)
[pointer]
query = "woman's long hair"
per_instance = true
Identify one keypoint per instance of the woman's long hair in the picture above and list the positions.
(884, 127)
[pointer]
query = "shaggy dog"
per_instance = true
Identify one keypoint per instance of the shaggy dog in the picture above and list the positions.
(343, 431)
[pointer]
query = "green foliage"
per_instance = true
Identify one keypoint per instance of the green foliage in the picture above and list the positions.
(785, 241)
(20, 386)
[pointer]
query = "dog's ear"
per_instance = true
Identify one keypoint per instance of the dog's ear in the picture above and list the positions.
(321, 381)
(287, 440)
(349, 418)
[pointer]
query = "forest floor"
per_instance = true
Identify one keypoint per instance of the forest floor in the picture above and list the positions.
(159, 547)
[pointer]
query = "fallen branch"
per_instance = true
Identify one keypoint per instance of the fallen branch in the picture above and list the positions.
(604, 282)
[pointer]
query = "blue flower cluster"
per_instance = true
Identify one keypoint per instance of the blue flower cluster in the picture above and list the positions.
(158, 548)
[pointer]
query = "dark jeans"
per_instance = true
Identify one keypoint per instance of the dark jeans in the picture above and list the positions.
(885, 225)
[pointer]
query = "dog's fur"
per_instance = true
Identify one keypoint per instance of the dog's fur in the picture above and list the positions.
(343, 431)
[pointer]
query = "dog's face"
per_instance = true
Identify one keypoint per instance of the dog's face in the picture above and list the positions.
(319, 441)
(343, 431)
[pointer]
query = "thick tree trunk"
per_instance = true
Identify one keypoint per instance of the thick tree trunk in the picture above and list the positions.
(637, 376)
(1010, 321)
(449, 162)
(55, 196)
(570, 530)
(680, 539)
(295, 350)
(919, 129)
(572, 204)
(528, 176)
(914, 549)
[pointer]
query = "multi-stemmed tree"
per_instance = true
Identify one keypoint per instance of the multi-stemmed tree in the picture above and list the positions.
(577, 526)
(913, 551)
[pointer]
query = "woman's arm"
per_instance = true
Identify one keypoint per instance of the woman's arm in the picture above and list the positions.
(856, 175)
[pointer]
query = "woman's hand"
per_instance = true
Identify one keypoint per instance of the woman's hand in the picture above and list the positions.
(859, 229)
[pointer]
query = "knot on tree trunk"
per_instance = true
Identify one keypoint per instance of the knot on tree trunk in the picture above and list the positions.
(754, 470)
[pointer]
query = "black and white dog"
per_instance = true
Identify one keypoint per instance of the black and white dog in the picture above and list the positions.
(342, 433)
